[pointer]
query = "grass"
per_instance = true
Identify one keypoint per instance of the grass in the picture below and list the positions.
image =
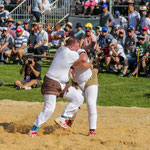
(113, 90)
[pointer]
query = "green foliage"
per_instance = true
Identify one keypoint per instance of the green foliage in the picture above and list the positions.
(113, 90)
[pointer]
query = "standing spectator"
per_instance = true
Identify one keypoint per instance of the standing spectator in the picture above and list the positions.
(37, 9)
(6, 42)
(88, 42)
(119, 20)
(143, 47)
(133, 17)
(105, 18)
(102, 38)
(80, 32)
(42, 41)
(57, 36)
(143, 10)
(11, 24)
(4, 14)
(146, 22)
(19, 48)
(32, 41)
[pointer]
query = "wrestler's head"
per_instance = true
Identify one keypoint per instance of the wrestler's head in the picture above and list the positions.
(72, 43)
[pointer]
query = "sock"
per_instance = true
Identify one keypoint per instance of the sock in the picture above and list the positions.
(64, 117)
(92, 129)
(34, 128)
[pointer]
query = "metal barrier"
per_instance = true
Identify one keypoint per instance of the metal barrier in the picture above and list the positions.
(57, 13)
(22, 11)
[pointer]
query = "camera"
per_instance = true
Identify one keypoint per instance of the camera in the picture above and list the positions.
(30, 62)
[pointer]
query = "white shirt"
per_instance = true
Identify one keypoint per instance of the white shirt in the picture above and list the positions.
(63, 60)
(26, 34)
(82, 75)
(147, 24)
(119, 50)
(119, 21)
(133, 17)
(41, 37)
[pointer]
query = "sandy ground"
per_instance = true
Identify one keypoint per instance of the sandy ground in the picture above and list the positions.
(118, 129)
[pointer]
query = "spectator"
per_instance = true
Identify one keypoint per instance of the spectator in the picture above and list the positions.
(102, 38)
(19, 48)
(57, 36)
(26, 26)
(42, 41)
(103, 55)
(142, 50)
(122, 37)
(119, 57)
(88, 42)
(6, 42)
(89, 25)
(32, 41)
(80, 32)
(146, 22)
(37, 9)
(89, 7)
(119, 20)
(32, 75)
(98, 31)
(68, 30)
(133, 17)
(12, 32)
(79, 6)
(116, 32)
(11, 24)
(35, 26)
(4, 14)
(143, 10)
(18, 24)
(105, 18)
(145, 33)
(49, 31)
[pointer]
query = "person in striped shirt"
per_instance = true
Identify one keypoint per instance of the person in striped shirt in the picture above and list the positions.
(19, 48)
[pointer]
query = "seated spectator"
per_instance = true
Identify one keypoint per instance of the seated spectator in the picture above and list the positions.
(119, 20)
(32, 41)
(122, 37)
(145, 33)
(103, 55)
(80, 32)
(79, 6)
(18, 24)
(98, 31)
(142, 51)
(6, 42)
(32, 75)
(35, 26)
(116, 32)
(42, 41)
(102, 38)
(19, 48)
(68, 32)
(26, 26)
(11, 24)
(133, 17)
(89, 7)
(105, 17)
(49, 31)
(89, 25)
(129, 45)
(57, 36)
(4, 14)
(118, 56)
(11, 32)
(88, 42)
(26, 34)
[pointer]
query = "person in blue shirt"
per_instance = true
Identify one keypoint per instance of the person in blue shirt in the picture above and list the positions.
(80, 32)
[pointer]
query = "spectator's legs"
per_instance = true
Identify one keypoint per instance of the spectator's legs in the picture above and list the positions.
(30, 83)
(144, 65)
(107, 61)
(18, 83)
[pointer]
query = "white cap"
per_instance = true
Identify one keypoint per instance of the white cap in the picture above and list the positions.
(114, 41)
